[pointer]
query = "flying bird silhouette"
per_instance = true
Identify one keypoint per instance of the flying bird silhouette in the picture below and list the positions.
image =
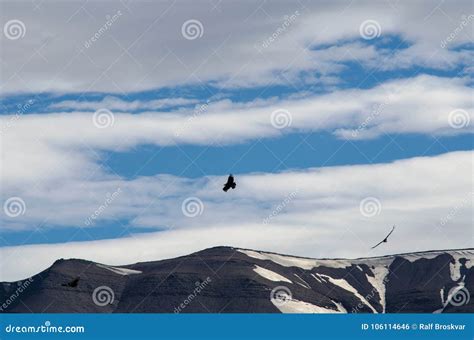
(73, 283)
(230, 183)
(385, 239)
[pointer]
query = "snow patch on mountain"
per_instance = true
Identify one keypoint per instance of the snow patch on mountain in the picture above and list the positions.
(453, 292)
(316, 278)
(455, 269)
(378, 282)
(296, 306)
(303, 283)
(269, 275)
(120, 271)
(457, 254)
(339, 306)
(291, 261)
(346, 286)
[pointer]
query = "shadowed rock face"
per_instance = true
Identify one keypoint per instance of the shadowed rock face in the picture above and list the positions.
(230, 280)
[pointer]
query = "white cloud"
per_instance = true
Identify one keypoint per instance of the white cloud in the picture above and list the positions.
(65, 145)
(53, 161)
(144, 49)
(428, 198)
(116, 104)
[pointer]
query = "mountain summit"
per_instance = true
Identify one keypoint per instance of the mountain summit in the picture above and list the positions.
(233, 280)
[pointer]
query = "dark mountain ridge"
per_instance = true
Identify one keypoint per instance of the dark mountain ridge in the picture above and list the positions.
(236, 280)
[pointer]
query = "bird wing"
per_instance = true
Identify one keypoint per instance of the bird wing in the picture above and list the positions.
(378, 244)
(391, 231)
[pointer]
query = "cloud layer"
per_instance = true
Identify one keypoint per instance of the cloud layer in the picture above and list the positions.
(135, 46)
(59, 145)
(330, 212)
(95, 68)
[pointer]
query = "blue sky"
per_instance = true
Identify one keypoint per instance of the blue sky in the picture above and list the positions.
(369, 89)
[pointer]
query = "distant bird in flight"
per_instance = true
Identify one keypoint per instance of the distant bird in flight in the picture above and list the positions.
(230, 183)
(385, 239)
(73, 283)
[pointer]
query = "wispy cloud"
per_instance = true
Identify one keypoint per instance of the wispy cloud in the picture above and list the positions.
(324, 218)
(117, 104)
(65, 145)
(145, 48)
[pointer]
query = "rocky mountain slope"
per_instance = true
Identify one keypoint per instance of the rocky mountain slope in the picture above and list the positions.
(231, 280)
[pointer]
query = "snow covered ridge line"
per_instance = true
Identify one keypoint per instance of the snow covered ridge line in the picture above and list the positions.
(369, 285)
(118, 270)
(234, 280)
(381, 263)
(343, 262)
